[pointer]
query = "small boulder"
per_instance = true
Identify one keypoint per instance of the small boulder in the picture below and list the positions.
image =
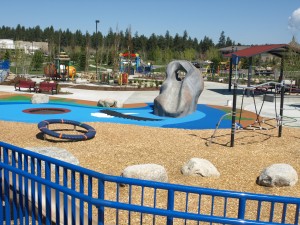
(152, 172)
(278, 175)
(57, 153)
(199, 167)
(108, 102)
(39, 98)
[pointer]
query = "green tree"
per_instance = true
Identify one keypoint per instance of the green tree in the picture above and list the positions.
(214, 55)
(222, 40)
(7, 55)
(291, 66)
(189, 54)
(205, 44)
(37, 60)
(82, 59)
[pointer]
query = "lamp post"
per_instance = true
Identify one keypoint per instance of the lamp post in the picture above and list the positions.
(97, 21)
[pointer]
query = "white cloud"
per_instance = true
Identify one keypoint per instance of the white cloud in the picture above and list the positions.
(294, 21)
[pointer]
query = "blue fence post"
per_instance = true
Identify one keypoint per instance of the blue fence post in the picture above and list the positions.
(6, 187)
(170, 205)
(242, 208)
(101, 192)
(48, 193)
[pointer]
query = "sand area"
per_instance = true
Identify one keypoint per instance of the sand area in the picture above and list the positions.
(117, 146)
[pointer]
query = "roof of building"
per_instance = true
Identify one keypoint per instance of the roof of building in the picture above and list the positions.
(274, 49)
(231, 48)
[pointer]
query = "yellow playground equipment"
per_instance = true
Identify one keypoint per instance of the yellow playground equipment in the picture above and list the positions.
(71, 71)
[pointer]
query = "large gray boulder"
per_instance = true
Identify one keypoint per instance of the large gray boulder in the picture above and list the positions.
(199, 167)
(152, 172)
(179, 97)
(278, 175)
(39, 98)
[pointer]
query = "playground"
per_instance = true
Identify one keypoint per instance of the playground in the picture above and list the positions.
(123, 142)
(119, 144)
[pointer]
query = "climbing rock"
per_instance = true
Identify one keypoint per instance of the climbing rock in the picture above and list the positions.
(199, 167)
(39, 98)
(152, 172)
(178, 97)
(108, 102)
(278, 175)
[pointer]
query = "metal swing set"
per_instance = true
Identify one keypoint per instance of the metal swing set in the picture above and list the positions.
(259, 121)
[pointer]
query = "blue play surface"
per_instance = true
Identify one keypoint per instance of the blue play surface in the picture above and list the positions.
(204, 117)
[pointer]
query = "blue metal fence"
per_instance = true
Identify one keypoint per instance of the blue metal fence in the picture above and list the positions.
(37, 189)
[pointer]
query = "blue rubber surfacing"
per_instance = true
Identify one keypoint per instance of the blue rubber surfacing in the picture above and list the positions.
(205, 117)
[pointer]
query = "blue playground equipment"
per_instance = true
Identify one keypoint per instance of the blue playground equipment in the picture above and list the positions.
(4, 69)
(43, 127)
(133, 59)
(37, 189)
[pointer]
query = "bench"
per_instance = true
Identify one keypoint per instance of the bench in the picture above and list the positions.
(47, 87)
(25, 84)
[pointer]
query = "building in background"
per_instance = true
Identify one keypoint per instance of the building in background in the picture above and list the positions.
(28, 46)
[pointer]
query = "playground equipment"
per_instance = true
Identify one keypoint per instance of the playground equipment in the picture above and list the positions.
(71, 71)
(258, 124)
(4, 69)
(127, 60)
(123, 78)
(61, 68)
(43, 127)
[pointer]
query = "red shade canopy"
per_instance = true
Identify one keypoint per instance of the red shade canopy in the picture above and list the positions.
(274, 49)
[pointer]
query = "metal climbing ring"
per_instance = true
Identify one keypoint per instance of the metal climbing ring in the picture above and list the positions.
(43, 127)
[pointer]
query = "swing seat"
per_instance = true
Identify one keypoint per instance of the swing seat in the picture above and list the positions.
(269, 98)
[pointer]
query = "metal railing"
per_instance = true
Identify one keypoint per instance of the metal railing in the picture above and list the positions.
(37, 189)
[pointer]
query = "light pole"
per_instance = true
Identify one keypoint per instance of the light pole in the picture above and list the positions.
(97, 21)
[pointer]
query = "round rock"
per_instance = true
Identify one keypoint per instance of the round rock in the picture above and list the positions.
(57, 153)
(152, 172)
(278, 175)
(199, 167)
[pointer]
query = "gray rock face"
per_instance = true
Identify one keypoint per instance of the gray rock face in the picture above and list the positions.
(179, 97)
(39, 98)
(54, 152)
(278, 175)
(199, 167)
(152, 172)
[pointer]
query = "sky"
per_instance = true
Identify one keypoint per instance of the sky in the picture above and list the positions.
(243, 21)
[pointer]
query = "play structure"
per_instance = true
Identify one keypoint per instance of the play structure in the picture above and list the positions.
(44, 128)
(129, 61)
(61, 68)
(179, 96)
(4, 69)
(259, 121)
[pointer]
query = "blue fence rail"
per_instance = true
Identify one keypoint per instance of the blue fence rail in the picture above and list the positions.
(37, 189)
